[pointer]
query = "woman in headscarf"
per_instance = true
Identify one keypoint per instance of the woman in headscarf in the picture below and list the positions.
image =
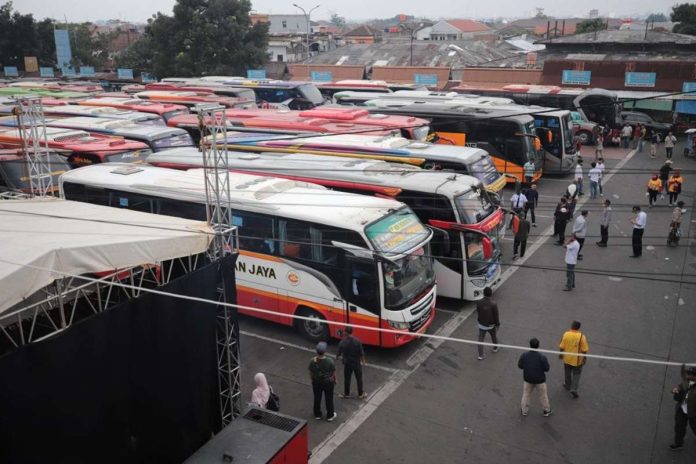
(262, 392)
(654, 187)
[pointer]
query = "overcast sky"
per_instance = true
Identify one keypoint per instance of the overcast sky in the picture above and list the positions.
(140, 10)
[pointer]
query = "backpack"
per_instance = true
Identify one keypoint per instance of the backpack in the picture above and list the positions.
(273, 403)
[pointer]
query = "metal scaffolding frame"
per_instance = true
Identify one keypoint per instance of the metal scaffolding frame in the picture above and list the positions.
(212, 122)
(31, 124)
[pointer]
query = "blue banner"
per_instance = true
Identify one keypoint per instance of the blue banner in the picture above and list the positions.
(689, 87)
(256, 73)
(46, 72)
(11, 71)
(87, 71)
(570, 77)
(69, 72)
(640, 79)
(63, 50)
(147, 78)
(125, 73)
(322, 76)
(425, 79)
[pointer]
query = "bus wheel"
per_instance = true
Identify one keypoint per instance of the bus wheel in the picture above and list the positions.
(314, 328)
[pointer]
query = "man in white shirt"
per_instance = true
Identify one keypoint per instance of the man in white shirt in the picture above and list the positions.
(626, 134)
(670, 140)
(639, 222)
(595, 174)
(517, 203)
(600, 166)
(580, 230)
(571, 259)
(529, 170)
(578, 177)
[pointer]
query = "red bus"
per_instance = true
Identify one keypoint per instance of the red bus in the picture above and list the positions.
(164, 110)
(203, 88)
(82, 148)
(191, 99)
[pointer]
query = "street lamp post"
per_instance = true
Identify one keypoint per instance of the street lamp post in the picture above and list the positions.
(307, 17)
(411, 32)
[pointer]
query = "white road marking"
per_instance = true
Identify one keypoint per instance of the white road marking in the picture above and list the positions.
(615, 279)
(308, 349)
(335, 439)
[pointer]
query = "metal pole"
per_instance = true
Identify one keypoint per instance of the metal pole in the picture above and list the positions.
(307, 16)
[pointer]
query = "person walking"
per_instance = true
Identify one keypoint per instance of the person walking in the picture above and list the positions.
(654, 188)
(600, 166)
(636, 136)
(521, 234)
(674, 187)
(534, 367)
(599, 145)
(670, 141)
(595, 175)
(488, 320)
(626, 133)
(322, 372)
(572, 247)
(574, 345)
(561, 217)
(641, 140)
(654, 143)
(604, 222)
(517, 204)
(639, 222)
(580, 230)
(350, 349)
(665, 171)
(529, 169)
(532, 201)
(578, 177)
(262, 392)
(685, 412)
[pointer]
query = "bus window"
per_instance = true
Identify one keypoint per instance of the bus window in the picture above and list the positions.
(275, 95)
(79, 192)
(184, 209)
(294, 239)
(476, 262)
(363, 276)
(552, 124)
(445, 248)
(428, 206)
(256, 233)
(130, 201)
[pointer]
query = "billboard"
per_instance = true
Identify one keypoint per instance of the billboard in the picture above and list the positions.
(46, 71)
(322, 76)
(124, 73)
(63, 50)
(87, 71)
(640, 79)
(571, 77)
(425, 79)
(31, 64)
(256, 73)
(11, 71)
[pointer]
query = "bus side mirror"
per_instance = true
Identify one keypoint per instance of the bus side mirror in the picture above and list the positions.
(442, 240)
(487, 248)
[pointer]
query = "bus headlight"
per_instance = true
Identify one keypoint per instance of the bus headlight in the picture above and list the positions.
(480, 283)
(399, 325)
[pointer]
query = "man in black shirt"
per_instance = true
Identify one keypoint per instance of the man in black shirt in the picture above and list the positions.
(351, 350)
(534, 366)
(323, 375)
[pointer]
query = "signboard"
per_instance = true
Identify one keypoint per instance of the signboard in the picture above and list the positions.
(87, 71)
(69, 72)
(125, 73)
(256, 73)
(11, 71)
(691, 88)
(425, 79)
(322, 76)
(46, 72)
(571, 77)
(640, 79)
(31, 64)
(147, 77)
(63, 50)
(687, 102)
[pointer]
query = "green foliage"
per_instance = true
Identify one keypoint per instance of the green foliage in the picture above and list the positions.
(203, 37)
(685, 14)
(590, 25)
(657, 18)
(338, 21)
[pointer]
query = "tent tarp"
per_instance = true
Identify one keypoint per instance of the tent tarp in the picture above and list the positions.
(75, 238)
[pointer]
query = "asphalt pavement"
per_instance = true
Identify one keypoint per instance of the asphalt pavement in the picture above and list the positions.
(433, 401)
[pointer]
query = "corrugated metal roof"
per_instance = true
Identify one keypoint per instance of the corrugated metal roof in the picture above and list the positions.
(626, 36)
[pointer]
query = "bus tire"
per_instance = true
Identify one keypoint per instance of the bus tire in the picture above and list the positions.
(429, 166)
(314, 330)
(585, 137)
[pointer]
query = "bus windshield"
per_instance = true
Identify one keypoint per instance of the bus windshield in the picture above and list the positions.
(311, 93)
(16, 171)
(472, 207)
(568, 133)
(408, 277)
(182, 140)
(397, 233)
(484, 170)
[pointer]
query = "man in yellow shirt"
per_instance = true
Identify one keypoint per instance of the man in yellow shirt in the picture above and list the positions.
(573, 342)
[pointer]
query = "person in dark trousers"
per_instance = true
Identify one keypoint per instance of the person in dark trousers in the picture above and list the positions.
(574, 345)
(534, 367)
(561, 217)
(685, 414)
(488, 321)
(639, 222)
(604, 222)
(532, 202)
(323, 374)
(665, 171)
(521, 234)
(350, 349)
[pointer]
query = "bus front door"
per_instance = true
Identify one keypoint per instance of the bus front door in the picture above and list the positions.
(362, 306)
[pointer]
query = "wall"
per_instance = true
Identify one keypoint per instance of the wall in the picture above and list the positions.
(302, 72)
(294, 24)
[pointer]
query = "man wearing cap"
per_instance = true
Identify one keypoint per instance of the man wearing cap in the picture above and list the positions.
(323, 374)
(350, 349)
(685, 396)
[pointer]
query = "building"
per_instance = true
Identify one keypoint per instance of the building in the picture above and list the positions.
(457, 29)
(286, 49)
(287, 24)
(361, 35)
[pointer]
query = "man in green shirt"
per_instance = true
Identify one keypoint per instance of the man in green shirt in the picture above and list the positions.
(323, 374)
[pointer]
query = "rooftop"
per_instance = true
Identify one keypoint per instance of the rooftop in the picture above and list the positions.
(624, 36)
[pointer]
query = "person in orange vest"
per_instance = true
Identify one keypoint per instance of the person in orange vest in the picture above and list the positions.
(654, 188)
(520, 226)
(674, 186)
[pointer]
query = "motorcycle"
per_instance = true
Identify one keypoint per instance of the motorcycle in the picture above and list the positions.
(674, 235)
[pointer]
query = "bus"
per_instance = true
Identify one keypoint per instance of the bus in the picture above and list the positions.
(408, 127)
(464, 160)
(329, 89)
(361, 98)
(164, 110)
(304, 250)
(18, 92)
(510, 138)
(597, 105)
(466, 223)
(14, 176)
(191, 99)
(203, 88)
(81, 148)
(156, 137)
(272, 93)
(96, 112)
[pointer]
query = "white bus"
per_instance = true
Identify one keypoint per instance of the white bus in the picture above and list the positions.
(106, 112)
(466, 222)
(304, 250)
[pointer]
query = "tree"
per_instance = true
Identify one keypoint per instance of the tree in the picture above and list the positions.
(590, 25)
(685, 15)
(656, 18)
(338, 21)
(21, 35)
(202, 37)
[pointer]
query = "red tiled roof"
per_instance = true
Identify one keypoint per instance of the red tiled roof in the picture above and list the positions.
(468, 25)
(361, 31)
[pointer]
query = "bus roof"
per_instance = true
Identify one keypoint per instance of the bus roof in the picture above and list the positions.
(332, 113)
(456, 110)
(309, 166)
(270, 195)
(100, 112)
(76, 140)
(130, 102)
